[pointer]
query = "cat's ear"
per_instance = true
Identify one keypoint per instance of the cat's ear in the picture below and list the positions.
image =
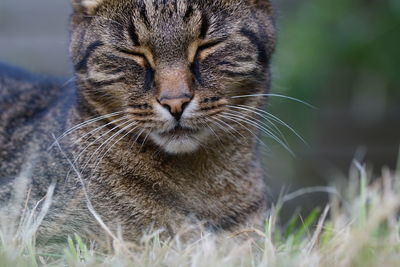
(262, 4)
(85, 6)
(255, 2)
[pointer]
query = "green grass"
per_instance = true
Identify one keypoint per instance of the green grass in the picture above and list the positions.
(360, 227)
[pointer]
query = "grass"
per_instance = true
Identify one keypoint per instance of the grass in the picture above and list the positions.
(359, 227)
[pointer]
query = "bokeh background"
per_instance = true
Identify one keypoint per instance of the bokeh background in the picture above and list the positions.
(341, 56)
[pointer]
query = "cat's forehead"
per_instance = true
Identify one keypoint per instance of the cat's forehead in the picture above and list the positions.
(176, 23)
(179, 6)
(168, 8)
(167, 16)
(154, 11)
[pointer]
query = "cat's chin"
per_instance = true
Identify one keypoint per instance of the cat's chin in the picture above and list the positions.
(179, 144)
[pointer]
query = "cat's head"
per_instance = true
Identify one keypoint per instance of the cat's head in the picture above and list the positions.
(174, 68)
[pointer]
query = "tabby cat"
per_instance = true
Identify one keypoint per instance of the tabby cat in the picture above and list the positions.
(157, 130)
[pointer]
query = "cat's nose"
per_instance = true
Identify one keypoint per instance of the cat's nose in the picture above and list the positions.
(176, 106)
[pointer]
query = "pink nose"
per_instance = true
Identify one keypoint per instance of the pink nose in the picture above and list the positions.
(176, 106)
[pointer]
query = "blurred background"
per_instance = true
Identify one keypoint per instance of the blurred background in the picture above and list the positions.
(341, 56)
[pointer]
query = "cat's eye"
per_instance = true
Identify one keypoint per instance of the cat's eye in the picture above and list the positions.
(209, 45)
(138, 56)
(198, 52)
(204, 49)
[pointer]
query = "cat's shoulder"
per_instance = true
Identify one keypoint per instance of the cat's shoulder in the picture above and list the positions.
(18, 86)
(14, 80)
(14, 73)
(23, 94)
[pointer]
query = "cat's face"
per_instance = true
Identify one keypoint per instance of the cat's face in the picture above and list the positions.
(171, 66)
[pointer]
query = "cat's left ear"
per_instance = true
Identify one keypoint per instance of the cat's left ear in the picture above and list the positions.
(255, 2)
(85, 6)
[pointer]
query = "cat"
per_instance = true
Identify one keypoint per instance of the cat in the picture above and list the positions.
(158, 128)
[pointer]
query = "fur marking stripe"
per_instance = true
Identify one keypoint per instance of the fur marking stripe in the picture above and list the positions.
(132, 33)
(91, 48)
(262, 52)
(205, 25)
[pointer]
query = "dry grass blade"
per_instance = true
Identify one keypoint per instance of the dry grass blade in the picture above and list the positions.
(362, 231)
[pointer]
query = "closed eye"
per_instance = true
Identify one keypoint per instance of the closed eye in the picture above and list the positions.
(130, 52)
(197, 53)
(204, 49)
(137, 56)
(209, 44)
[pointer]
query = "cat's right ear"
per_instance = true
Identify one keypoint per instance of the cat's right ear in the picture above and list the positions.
(87, 7)
(265, 5)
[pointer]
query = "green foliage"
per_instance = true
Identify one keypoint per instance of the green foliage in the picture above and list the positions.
(327, 45)
(76, 251)
(329, 51)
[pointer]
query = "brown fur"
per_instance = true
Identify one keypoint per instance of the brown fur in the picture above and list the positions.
(129, 56)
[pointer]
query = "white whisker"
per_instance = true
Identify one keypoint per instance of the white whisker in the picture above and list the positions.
(268, 116)
(67, 82)
(144, 140)
(269, 127)
(98, 129)
(260, 127)
(218, 122)
(108, 141)
(212, 130)
(245, 128)
(277, 95)
(92, 143)
(76, 127)
(108, 150)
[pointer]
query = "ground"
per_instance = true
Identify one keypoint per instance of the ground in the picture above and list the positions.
(360, 227)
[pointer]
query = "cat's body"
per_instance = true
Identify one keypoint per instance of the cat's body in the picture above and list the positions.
(32, 108)
(159, 157)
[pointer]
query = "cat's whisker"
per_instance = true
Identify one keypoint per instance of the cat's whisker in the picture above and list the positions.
(67, 82)
(271, 127)
(268, 116)
(145, 138)
(235, 120)
(98, 129)
(158, 151)
(93, 142)
(269, 124)
(258, 124)
(215, 134)
(100, 137)
(260, 127)
(218, 122)
(138, 136)
(263, 126)
(109, 149)
(83, 124)
(200, 143)
(98, 150)
(219, 126)
(233, 129)
(276, 95)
